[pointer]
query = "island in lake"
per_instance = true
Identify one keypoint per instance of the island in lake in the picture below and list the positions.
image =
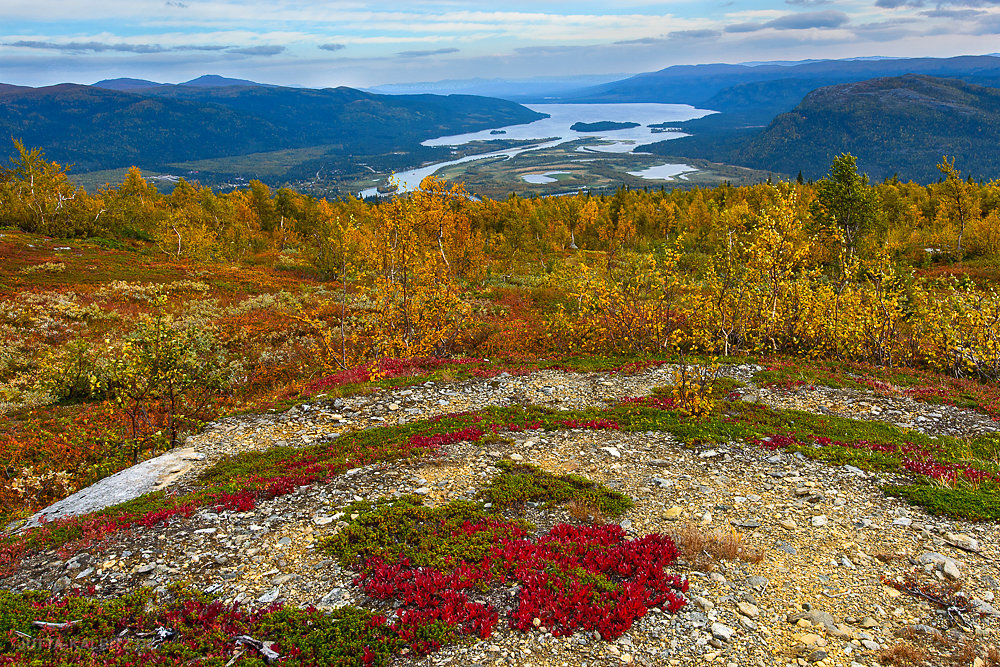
(602, 126)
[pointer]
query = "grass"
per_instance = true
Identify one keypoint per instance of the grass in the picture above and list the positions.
(702, 549)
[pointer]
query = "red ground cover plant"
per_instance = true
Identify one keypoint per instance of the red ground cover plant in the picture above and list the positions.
(572, 578)
(910, 457)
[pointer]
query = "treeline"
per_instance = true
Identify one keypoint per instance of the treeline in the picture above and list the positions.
(954, 218)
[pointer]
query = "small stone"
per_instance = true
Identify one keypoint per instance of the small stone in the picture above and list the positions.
(270, 596)
(673, 513)
(722, 632)
(423, 490)
(612, 451)
(818, 521)
(748, 609)
(788, 524)
(704, 603)
(962, 541)
(950, 569)
(516, 457)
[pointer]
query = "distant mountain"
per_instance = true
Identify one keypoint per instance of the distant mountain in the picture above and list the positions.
(216, 81)
(98, 128)
(125, 83)
(535, 89)
(698, 84)
(894, 125)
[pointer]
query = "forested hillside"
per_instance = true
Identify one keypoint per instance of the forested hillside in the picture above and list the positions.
(96, 128)
(895, 126)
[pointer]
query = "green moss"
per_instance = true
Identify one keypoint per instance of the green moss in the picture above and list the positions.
(520, 483)
(981, 504)
(428, 536)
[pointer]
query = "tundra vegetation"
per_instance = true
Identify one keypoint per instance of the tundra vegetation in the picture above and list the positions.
(128, 318)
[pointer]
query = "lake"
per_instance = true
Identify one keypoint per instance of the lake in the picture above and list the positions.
(556, 128)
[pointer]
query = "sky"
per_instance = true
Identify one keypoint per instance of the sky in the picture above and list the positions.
(361, 44)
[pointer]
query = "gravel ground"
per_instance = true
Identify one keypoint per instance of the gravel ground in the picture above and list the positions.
(828, 535)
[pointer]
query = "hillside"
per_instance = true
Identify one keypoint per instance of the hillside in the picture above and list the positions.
(97, 128)
(899, 125)
(700, 84)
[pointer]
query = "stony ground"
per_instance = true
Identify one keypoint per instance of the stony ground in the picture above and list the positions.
(828, 536)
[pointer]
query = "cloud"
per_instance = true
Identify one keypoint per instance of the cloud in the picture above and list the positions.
(81, 47)
(988, 25)
(896, 4)
(744, 27)
(102, 47)
(807, 3)
(961, 14)
(175, 3)
(806, 20)
(421, 54)
(332, 47)
(694, 34)
(264, 50)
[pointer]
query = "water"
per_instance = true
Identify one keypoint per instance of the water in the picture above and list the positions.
(539, 179)
(556, 129)
(664, 172)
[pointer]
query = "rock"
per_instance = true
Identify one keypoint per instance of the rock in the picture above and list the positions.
(612, 451)
(757, 583)
(722, 632)
(943, 564)
(962, 541)
(516, 457)
(817, 655)
(673, 513)
(704, 603)
(270, 596)
(811, 639)
(819, 520)
(788, 524)
(423, 490)
(748, 609)
(786, 547)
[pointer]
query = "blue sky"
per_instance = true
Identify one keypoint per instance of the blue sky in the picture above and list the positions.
(364, 44)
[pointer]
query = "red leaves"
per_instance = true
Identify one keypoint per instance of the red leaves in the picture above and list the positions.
(574, 577)
(472, 434)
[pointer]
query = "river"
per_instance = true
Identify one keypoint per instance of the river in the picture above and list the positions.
(556, 128)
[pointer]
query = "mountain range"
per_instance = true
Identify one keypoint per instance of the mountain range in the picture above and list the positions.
(123, 122)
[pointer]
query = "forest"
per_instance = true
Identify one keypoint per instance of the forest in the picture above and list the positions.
(128, 318)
